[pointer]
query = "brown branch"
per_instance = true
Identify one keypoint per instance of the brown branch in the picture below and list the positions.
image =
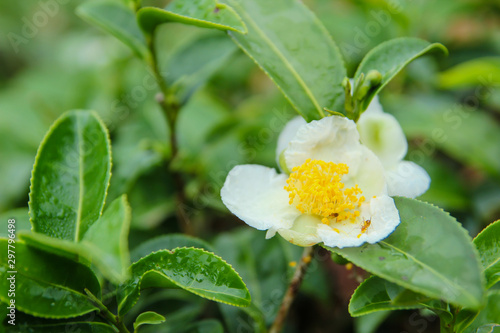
(292, 291)
(171, 108)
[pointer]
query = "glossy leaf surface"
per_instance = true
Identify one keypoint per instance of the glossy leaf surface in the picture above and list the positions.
(81, 327)
(148, 318)
(167, 242)
(294, 49)
(201, 13)
(391, 57)
(191, 66)
(487, 317)
(70, 176)
(118, 20)
(429, 253)
(376, 294)
(107, 240)
(47, 285)
(105, 244)
(194, 270)
(488, 245)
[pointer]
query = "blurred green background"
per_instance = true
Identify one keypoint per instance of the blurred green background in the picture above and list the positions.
(52, 61)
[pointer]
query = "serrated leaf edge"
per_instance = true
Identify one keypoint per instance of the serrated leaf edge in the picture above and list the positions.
(181, 287)
(218, 26)
(417, 289)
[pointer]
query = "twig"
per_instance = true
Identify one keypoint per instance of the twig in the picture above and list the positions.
(106, 314)
(171, 107)
(292, 291)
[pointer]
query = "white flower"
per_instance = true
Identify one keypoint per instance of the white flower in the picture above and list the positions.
(336, 190)
(382, 133)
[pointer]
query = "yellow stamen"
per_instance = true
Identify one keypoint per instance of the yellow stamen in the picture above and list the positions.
(316, 188)
(292, 263)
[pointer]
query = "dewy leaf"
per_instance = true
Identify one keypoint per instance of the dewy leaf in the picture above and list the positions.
(149, 317)
(201, 13)
(488, 245)
(82, 327)
(429, 253)
(105, 244)
(191, 66)
(70, 176)
(47, 285)
(376, 294)
(107, 240)
(489, 315)
(117, 19)
(195, 270)
(264, 266)
(167, 242)
(294, 49)
(391, 57)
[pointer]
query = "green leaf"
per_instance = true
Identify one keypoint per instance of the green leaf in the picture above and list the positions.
(376, 294)
(264, 266)
(428, 253)
(191, 66)
(139, 144)
(488, 245)
(489, 315)
(20, 215)
(481, 71)
(194, 270)
(201, 13)
(105, 244)
(47, 285)
(70, 176)
(167, 242)
(107, 241)
(60, 247)
(117, 19)
(294, 49)
(391, 57)
(150, 318)
(81, 327)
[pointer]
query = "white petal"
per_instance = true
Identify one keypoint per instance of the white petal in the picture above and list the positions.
(328, 139)
(382, 133)
(374, 107)
(383, 216)
(367, 172)
(287, 134)
(257, 196)
(384, 219)
(304, 231)
(407, 179)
